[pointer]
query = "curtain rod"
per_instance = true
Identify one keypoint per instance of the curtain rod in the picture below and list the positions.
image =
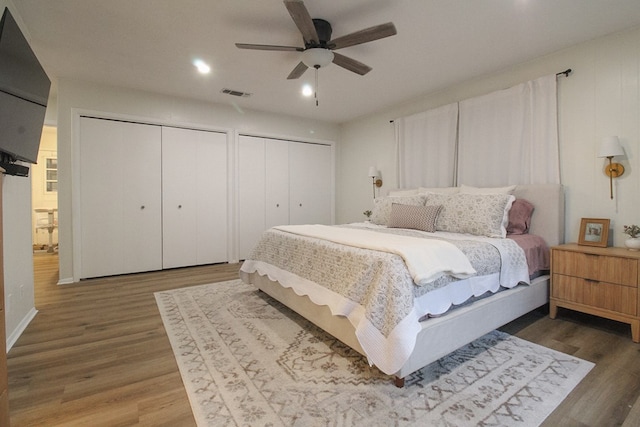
(565, 73)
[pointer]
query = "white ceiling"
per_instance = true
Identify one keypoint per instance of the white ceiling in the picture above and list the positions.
(150, 45)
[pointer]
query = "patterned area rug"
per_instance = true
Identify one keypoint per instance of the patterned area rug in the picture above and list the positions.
(247, 360)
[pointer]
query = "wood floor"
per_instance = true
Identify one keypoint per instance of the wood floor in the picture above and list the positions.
(97, 355)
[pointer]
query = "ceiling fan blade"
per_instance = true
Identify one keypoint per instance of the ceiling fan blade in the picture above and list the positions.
(303, 20)
(297, 71)
(268, 47)
(363, 36)
(350, 64)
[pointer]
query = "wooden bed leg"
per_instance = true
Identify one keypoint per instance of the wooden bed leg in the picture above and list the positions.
(399, 382)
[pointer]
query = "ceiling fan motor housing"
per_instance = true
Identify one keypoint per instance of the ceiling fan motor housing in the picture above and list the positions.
(318, 55)
(323, 29)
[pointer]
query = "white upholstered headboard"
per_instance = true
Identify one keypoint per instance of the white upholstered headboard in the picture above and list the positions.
(548, 216)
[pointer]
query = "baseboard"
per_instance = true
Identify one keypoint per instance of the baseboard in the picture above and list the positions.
(67, 281)
(11, 339)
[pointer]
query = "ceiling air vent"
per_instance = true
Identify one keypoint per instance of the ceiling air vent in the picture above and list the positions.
(236, 93)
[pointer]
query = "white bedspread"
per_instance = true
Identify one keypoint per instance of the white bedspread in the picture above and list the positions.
(426, 260)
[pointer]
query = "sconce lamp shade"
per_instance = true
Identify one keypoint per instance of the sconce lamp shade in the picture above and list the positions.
(610, 147)
(373, 172)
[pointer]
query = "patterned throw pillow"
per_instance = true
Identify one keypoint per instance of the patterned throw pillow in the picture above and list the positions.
(478, 214)
(382, 207)
(414, 217)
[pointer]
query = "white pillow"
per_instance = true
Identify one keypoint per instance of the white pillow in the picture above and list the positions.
(467, 189)
(382, 206)
(478, 214)
(439, 190)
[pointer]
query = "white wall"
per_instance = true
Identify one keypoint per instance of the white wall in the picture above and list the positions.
(600, 98)
(80, 95)
(18, 256)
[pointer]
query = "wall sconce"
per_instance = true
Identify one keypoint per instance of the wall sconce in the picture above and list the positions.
(609, 148)
(373, 173)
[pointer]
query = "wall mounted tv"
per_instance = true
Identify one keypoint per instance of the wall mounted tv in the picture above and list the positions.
(24, 91)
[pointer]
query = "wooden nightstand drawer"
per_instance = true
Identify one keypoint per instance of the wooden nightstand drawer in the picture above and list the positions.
(622, 271)
(607, 296)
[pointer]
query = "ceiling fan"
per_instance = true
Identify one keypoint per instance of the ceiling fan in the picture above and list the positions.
(318, 50)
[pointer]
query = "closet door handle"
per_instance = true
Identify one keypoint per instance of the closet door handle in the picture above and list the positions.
(142, 207)
(179, 206)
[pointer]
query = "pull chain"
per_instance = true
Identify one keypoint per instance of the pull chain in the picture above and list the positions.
(316, 87)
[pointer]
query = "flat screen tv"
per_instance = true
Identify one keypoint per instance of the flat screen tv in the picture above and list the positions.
(24, 91)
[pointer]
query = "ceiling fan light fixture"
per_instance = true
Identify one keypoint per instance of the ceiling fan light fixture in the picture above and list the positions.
(317, 57)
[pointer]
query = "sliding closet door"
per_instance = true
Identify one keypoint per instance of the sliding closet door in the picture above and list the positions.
(277, 182)
(280, 182)
(194, 186)
(263, 188)
(120, 197)
(310, 183)
(251, 193)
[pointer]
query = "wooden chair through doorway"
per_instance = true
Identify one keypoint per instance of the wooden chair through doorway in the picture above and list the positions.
(46, 219)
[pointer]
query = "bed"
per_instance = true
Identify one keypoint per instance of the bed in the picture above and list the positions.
(357, 293)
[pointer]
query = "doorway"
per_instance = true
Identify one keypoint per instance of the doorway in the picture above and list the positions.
(44, 193)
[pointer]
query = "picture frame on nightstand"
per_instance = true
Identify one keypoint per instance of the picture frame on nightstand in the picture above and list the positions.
(594, 232)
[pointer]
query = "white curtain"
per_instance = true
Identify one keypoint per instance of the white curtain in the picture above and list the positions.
(510, 136)
(426, 148)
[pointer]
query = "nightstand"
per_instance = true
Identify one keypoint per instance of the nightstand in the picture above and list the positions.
(598, 281)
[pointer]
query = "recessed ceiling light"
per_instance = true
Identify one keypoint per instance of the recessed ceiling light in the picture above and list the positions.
(307, 90)
(202, 66)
